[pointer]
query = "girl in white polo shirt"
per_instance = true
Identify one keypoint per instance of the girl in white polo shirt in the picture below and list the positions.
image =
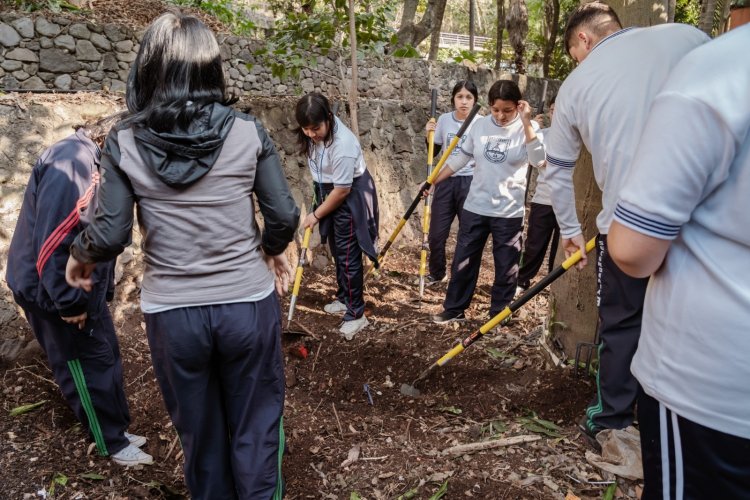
(346, 203)
(448, 200)
(502, 144)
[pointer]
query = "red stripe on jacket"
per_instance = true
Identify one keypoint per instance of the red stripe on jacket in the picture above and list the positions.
(54, 240)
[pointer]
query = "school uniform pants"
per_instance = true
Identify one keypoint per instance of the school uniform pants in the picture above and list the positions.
(221, 374)
(86, 365)
(347, 256)
(685, 460)
(542, 230)
(474, 229)
(620, 301)
(447, 203)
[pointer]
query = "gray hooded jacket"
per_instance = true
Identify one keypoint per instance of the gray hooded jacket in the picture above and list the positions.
(194, 190)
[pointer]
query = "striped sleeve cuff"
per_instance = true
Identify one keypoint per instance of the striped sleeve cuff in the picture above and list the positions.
(558, 162)
(644, 223)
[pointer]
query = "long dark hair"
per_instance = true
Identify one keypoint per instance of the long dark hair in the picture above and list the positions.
(177, 70)
(313, 109)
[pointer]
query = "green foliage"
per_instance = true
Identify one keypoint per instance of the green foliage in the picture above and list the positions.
(59, 479)
(225, 11)
(687, 12)
(609, 493)
(301, 34)
(441, 492)
(51, 5)
(20, 410)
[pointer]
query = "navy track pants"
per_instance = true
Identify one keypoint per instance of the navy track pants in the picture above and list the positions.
(221, 373)
(86, 365)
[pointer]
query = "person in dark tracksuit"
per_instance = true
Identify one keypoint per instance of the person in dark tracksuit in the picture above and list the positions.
(346, 204)
(502, 144)
(73, 327)
(543, 230)
(195, 168)
(448, 199)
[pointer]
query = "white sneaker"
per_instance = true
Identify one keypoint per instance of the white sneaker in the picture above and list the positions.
(135, 439)
(132, 455)
(335, 307)
(350, 328)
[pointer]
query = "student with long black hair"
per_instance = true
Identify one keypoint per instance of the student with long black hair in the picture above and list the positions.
(450, 195)
(346, 204)
(195, 169)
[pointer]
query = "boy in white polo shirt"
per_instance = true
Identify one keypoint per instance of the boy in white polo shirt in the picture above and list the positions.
(683, 216)
(603, 105)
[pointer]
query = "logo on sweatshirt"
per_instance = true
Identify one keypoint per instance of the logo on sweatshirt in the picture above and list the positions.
(449, 136)
(496, 149)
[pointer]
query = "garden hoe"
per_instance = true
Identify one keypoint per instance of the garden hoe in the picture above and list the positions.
(297, 281)
(411, 390)
(427, 201)
(425, 187)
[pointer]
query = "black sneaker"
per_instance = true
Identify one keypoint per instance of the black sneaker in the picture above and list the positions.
(589, 434)
(432, 280)
(446, 317)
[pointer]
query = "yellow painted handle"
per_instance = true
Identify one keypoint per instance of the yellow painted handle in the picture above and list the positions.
(301, 262)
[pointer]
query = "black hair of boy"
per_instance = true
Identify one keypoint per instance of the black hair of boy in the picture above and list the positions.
(597, 17)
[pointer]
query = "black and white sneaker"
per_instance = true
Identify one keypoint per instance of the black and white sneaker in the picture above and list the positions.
(432, 280)
(446, 317)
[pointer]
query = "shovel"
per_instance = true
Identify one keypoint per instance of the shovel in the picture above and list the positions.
(411, 390)
(427, 202)
(297, 281)
(426, 186)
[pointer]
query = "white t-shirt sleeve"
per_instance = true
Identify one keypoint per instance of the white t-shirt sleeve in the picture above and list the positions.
(562, 145)
(678, 164)
(440, 130)
(535, 148)
(343, 159)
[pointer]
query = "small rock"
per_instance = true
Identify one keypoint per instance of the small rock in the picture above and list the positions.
(20, 54)
(33, 83)
(8, 36)
(85, 51)
(24, 26)
(124, 46)
(46, 28)
(100, 42)
(79, 31)
(65, 42)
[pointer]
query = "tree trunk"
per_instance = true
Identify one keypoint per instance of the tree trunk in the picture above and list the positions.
(552, 25)
(573, 311)
(410, 11)
(437, 25)
(471, 26)
(353, 88)
(518, 28)
(414, 33)
(499, 33)
(708, 11)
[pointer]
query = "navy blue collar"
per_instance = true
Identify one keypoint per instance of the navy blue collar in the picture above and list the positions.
(612, 35)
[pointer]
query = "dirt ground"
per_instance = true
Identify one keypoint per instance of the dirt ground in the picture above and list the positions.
(340, 444)
(502, 386)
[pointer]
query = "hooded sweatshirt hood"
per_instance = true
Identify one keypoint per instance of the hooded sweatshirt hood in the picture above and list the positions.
(181, 157)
